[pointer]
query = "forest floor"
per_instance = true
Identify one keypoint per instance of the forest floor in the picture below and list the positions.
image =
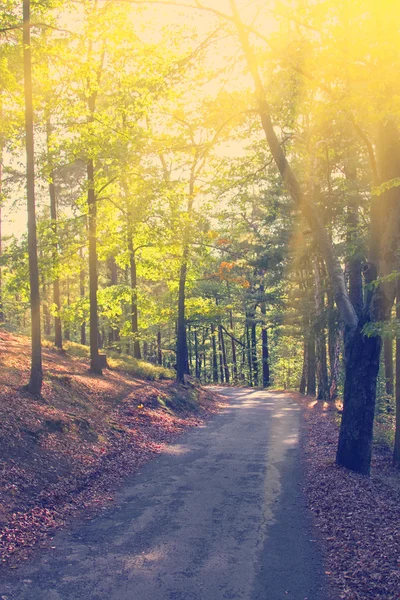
(358, 517)
(64, 454)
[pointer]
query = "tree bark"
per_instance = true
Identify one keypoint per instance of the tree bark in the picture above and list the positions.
(264, 343)
(95, 364)
(254, 356)
(249, 353)
(224, 360)
(233, 346)
(1, 240)
(82, 295)
(362, 353)
(335, 335)
(320, 338)
(361, 372)
(214, 355)
(56, 281)
(388, 359)
(303, 380)
(197, 355)
(36, 374)
(134, 307)
(182, 361)
(396, 449)
(311, 381)
(159, 348)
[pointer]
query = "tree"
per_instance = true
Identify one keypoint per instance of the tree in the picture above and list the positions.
(36, 376)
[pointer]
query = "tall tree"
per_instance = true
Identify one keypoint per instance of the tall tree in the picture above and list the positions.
(36, 375)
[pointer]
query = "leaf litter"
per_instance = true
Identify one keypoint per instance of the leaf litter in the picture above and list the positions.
(63, 455)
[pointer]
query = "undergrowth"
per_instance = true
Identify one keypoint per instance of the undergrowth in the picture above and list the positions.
(122, 362)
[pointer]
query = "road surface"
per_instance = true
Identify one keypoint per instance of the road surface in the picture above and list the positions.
(219, 516)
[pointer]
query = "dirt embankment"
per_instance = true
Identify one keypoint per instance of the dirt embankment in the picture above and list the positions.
(358, 517)
(68, 450)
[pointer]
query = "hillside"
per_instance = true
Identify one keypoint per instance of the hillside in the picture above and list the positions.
(68, 450)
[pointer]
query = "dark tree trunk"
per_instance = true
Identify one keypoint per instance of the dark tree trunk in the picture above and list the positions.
(303, 380)
(114, 335)
(264, 343)
(95, 364)
(361, 371)
(388, 358)
(311, 381)
(335, 335)
(205, 334)
(82, 294)
(46, 313)
(182, 361)
(224, 360)
(396, 449)
(221, 366)
(254, 356)
(320, 339)
(233, 346)
(362, 354)
(67, 332)
(1, 247)
(159, 348)
(196, 353)
(190, 353)
(36, 375)
(56, 281)
(249, 354)
(134, 307)
(214, 354)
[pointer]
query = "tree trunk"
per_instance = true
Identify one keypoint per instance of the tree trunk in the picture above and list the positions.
(221, 366)
(46, 312)
(249, 353)
(82, 295)
(396, 449)
(361, 372)
(182, 361)
(190, 353)
(320, 339)
(233, 346)
(224, 360)
(67, 332)
(196, 354)
(134, 307)
(264, 343)
(303, 380)
(159, 348)
(114, 335)
(1, 246)
(311, 382)
(335, 335)
(214, 354)
(388, 359)
(36, 375)
(56, 281)
(205, 334)
(95, 364)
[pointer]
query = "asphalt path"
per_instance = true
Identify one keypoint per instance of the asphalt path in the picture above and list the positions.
(220, 515)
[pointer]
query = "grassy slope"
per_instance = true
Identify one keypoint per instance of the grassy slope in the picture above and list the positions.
(70, 448)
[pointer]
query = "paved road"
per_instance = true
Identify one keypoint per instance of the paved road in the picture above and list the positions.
(220, 516)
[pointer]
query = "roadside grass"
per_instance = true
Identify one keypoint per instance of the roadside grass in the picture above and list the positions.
(121, 362)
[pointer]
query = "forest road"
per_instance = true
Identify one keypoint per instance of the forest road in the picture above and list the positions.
(219, 516)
